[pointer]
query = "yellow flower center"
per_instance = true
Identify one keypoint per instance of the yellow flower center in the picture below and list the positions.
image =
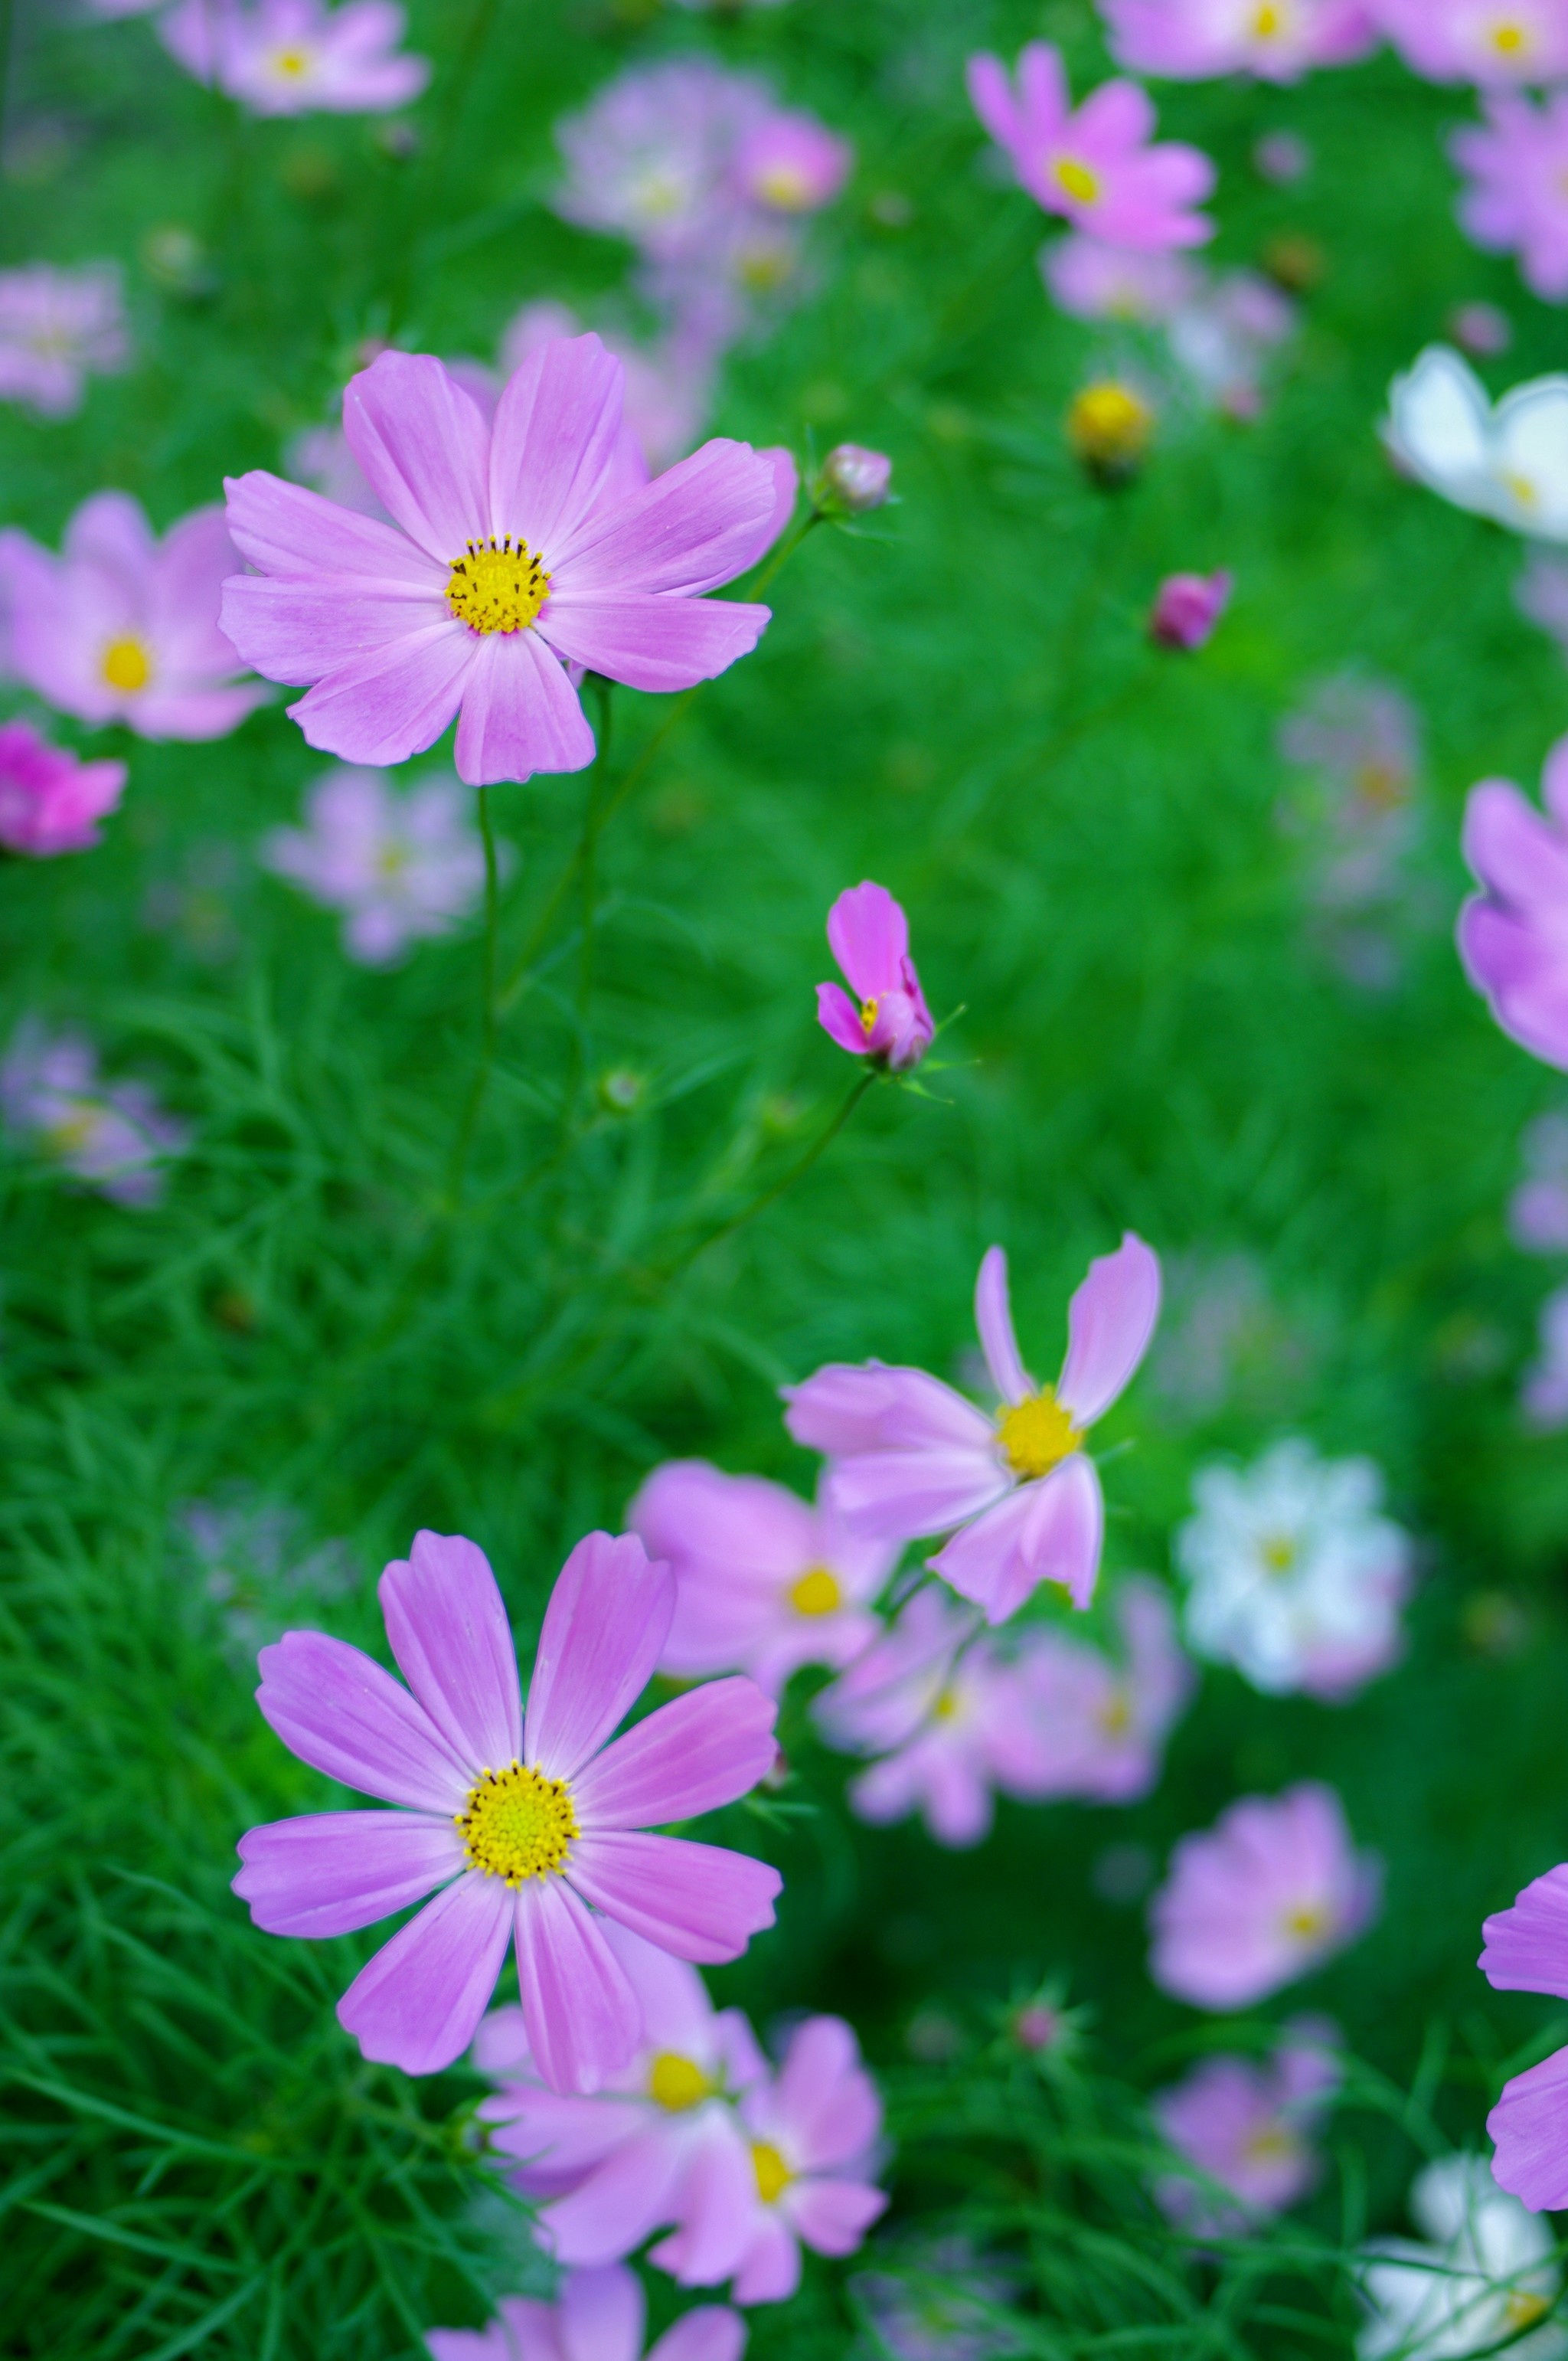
(391, 861)
(73, 1133)
(496, 587)
(816, 1593)
(1509, 39)
(292, 62)
(773, 2175)
(1037, 1435)
(1523, 490)
(1523, 2309)
(126, 665)
(1267, 21)
(946, 1706)
(677, 2082)
(783, 186)
(1115, 1715)
(1309, 1922)
(518, 1824)
(1272, 2146)
(1076, 179)
(763, 267)
(868, 1016)
(1278, 1551)
(1109, 425)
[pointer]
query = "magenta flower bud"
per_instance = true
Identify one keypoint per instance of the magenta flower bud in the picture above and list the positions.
(868, 935)
(1186, 609)
(50, 802)
(852, 480)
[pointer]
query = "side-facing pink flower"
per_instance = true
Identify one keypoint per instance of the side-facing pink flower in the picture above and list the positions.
(1094, 280)
(529, 1829)
(792, 164)
(1516, 196)
(1496, 43)
(112, 1136)
(123, 626)
(1246, 2125)
(502, 567)
(1098, 1726)
(1187, 608)
(868, 934)
(1513, 935)
(1526, 1950)
(296, 56)
(910, 1455)
(400, 867)
(1280, 41)
(50, 801)
(597, 2316)
(1095, 166)
(1267, 1894)
(764, 1583)
(57, 329)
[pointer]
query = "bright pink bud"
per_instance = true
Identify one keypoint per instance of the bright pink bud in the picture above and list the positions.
(852, 480)
(1186, 609)
(868, 935)
(50, 802)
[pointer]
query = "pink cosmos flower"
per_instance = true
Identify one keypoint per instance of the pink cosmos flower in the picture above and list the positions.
(112, 1136)
(655, 2148)
(1279, 41)
(1095, 166)
(1094, 280)
(1493, 43)
(1248, 2126)
(49, 801)
(501, 570)
(529, 1829)
(763, 1582)
(296, 56)
(1543, 1397)
(946, 1715)
(1187, 607)
(868, 934)
(792, 163)
(1526, 1950)
(1516, 200)
(597, 2316)
(1098, 1728)
(910, 1455)
(400, 867)
(1511, 934)
(123, 626)
(57, 329)
(1272, 1890)
(1225, 337)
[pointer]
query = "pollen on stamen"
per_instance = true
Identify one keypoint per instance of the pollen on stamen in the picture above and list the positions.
(516, 1824)
(497, 586)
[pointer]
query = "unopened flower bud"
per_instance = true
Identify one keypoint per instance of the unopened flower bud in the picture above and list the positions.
(1186, 609)
(852, 480)
(621, 1090)
(1480, 329)
(1109, 428)
(1038, 2027)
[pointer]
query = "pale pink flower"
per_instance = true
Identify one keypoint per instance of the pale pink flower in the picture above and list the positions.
(1095, 280)
(1267, 1894)
(1187, 607)
(501, 570)
(911, 1455)
(400, 867)
(597, 2316)
(1095, 166)
(1516, 196)
(123, 626)
(764, 1583)
(1541, 593)
(112, 1136)
(1512, 935)
(1543, 1397)
(792, 164)
(530, 1830)
(57, 329)
(1279, 40)
(1527, 1950)
(1538, 1208)
(1494, 43)
(868, 935)
(1480, 329)
(1097, 1725)
(1225, 337)
(1247, 2125)
(296, 56)
(50, 801)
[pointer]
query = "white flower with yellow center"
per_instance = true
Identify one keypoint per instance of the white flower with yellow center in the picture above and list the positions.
(1483, 2274)
(1509, 462)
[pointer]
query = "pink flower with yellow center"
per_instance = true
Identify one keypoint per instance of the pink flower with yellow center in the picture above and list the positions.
(1496, 43)
(888, 1020)
(296, 56)
(1246, 2125)
(1278, 41)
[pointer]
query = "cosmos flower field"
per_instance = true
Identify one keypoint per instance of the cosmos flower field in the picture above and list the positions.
(783, 1275)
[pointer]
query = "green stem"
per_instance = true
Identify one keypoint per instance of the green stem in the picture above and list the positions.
(468, 1123)
(798, 1171)
(584, 865)
(783, 550)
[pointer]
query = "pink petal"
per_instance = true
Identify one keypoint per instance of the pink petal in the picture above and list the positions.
(602, 2314)
(604, 1628)
(521, 713)
(331, 1872)
(1527, 1947)
(490, 2344)
(709, 2332)
(1512, 848)
(418, 2001)
(424, 448)
(705, 1749)
(825, 2097)
(833, 2216)
(652, 643)
(1529, 2127)
(840, 1019)
(282, 528)
(843, 1408)
(556, 428)
(335, 1708)
(631, 2193)
(699, 1901)
(1109, 1322)
(991, 95)
(584, 2019)
(297, 632)
(530, 2330)
(1046, 1531)
(770, 2272)
(697, 524)
(392, 702)
(900, 1494)
(111, 529)
(449, 1633)
(999, 1341)
(868, 934)
(720, 2208)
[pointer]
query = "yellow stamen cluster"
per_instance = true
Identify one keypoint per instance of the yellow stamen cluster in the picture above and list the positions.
(1309, 1922)
(867, 1016)
(1109, 428)
(816, 1593)
(773, 2175)
(126, 665)
(499, 586)
(291, 62)
(1036, 1436)
(1277, 1552)
(1524, 2308)
(676, 2083)
(1267, 20)
(1075, 180)
(518, 1824)
(1509, 39)
(1271, 2145)
(1116, 1716)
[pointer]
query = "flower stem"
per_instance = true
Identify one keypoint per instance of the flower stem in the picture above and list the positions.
(584, 866)
(468, 1123)
(766, 1197)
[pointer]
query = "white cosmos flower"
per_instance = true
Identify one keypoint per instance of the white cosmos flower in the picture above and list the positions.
(1484, 2276)
(1509, 462)
(1293, 1576)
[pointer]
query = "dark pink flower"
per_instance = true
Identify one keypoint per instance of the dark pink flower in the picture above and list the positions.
(296, 56)
(1095, 166)
(1248, 2126)
(529, 1829)
(1512, 935)
(868, 934)
(1279, 40)
(1527, 1950)
(502, 567)
(1186, 609)
(598, 2315)
(49, 801)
